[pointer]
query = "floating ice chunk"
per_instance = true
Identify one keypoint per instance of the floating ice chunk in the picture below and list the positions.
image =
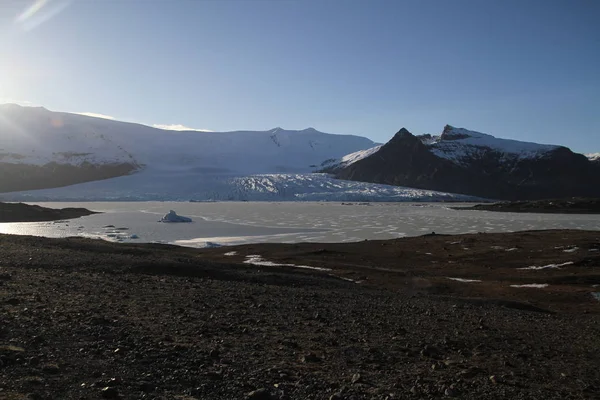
(557, 266)
(172, 216)
(531, 285)
(596, 295)
(464, 280)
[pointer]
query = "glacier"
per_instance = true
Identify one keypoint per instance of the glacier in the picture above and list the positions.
(161, 185)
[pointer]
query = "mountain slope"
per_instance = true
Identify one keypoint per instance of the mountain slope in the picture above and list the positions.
(44, 149)
(472, 163)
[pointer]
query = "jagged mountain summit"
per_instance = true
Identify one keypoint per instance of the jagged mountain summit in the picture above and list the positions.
(473, 163)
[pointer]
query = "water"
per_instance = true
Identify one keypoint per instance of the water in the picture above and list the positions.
(246, 222)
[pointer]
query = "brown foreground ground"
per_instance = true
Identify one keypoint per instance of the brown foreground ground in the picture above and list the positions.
(85, 319)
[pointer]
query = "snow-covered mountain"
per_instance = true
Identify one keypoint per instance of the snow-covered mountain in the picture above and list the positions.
(593, 157)
(63, 156)
(38, 136)
(44, 149)
(473, 163)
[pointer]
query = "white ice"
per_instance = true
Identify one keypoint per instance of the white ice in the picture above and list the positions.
(172, 216)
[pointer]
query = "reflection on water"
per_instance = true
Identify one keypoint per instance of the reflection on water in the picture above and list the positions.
(245, 222)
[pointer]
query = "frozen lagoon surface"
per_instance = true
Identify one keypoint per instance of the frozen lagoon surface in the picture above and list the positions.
(228, 223)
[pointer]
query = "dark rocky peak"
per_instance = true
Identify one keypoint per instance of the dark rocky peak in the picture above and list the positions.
(403, 133)
(452, 133)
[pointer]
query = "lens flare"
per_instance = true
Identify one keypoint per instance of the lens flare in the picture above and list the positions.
(39, 12)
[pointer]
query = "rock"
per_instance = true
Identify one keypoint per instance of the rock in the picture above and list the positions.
(450, 392)
(10, 349)
(146, 387)
(494, 379)
(336, 396)
(114, 382)
(310, 358)
(110, 393)
(51, 369)
(356, 378)
(430, 351)
(259, 394)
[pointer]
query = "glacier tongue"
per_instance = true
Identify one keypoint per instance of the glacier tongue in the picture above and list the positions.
(151, 185)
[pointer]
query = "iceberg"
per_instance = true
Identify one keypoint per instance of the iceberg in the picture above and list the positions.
(172, 216)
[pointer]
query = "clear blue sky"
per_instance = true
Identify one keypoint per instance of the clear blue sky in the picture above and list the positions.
(523, 69)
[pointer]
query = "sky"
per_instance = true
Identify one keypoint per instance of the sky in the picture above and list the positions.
(526, 69)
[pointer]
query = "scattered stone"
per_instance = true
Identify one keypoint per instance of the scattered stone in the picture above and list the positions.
(11, 349)
(110, 393)
(356, 378)
(146, 387)
(34, 361)
(450, 392)
(114, 382)
(51, 368)
(310, 358)
(430, 351)
(259, 394)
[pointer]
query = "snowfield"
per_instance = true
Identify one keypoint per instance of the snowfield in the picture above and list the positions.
(35, 135)
(458, 144)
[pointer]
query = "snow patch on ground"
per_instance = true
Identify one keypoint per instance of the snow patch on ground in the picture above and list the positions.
(531, 285)
(230, 253)
(255, 259)
(464, 280)
(571, 250)
(555, 266)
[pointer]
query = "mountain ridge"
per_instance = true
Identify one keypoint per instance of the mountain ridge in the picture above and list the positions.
(477, 164)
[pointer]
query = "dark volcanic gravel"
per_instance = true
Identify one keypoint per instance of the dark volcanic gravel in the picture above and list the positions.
(84, 319)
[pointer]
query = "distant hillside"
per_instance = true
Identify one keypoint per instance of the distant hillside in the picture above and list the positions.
(473, 163)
